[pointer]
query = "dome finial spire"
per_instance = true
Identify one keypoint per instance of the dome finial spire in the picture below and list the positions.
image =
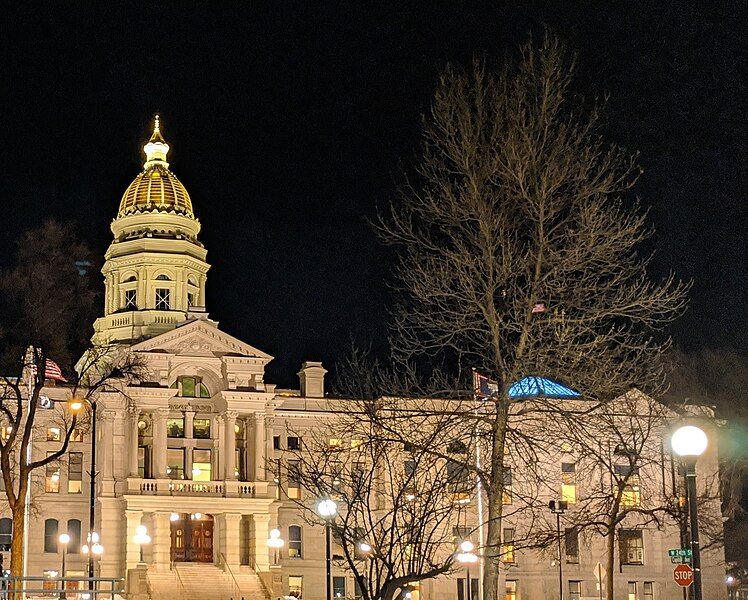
(156, 149)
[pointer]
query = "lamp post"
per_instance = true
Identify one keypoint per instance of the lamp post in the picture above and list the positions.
(558, 507)
(76, 404)
(689, 442)
(327, 509)
(276, 543)
(64, 539)
(141, 538)
(466, 556)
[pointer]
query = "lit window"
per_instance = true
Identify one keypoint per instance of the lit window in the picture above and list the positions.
(131, 299)
(75, 472)
(294, 480)
(575, 590)
(201, 429)
(294, 586)
(6, 534)
(53, 434)
(631, 546)
(628, 478)
(294, 543)
(510, 588)
(5, 432)
(50, 535)
(568, 482)
(77, 435)
(175, 427)
(175, 463)
(335, 442)
(163, 299)
(632, 591)
(507, 545)
(356, 444)
(571, 541)
(201, 465)
(507, 489)
(52, 477)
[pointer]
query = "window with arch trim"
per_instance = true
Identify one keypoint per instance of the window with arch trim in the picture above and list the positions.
(163, 277)
(6, 534)
(51, 526)
(74, 531)
(191, 387)
(295, 549)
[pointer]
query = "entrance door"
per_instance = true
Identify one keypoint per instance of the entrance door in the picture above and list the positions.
(192, 538)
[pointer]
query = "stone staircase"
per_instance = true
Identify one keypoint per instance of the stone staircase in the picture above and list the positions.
(203, 581)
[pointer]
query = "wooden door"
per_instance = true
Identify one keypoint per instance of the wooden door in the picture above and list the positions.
(179, 540)
(201, 540)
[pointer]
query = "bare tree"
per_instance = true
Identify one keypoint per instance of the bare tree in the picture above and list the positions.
(519, 253)
(398, 506)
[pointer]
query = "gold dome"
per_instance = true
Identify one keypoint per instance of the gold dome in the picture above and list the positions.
(156, 188)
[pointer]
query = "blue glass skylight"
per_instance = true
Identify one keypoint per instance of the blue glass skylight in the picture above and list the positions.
(535, 387)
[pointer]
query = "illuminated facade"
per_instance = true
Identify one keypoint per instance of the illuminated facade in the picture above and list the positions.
(185, 452)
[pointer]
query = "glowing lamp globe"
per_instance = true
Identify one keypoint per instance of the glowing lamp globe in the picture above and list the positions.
(275, 541)
(64, 538)
(689, 441)
(327, 508)
(364, 547)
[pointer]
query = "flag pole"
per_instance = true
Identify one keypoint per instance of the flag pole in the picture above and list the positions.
(479, 492)
(27, 501)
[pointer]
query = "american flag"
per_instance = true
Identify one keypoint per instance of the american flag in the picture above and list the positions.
(483, 387)
(51, 371)
(539, 308)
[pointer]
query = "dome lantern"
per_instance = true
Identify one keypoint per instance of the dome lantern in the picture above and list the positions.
(156, 149)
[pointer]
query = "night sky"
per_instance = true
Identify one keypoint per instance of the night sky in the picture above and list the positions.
(290, 122)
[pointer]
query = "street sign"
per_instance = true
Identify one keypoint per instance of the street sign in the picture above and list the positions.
(683, 575)
(679, 552)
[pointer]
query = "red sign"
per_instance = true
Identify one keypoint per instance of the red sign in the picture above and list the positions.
(683, 575)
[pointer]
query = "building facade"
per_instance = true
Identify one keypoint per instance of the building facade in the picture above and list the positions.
(185, 451)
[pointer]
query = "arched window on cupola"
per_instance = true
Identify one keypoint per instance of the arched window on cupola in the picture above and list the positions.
(163, 277)
(191, 387)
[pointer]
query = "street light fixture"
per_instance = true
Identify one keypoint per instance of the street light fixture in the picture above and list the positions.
(559, 507)
(327, 509)
(689, 442)
(467, 557)
(64, 539)
(276, 542)
(141, 538)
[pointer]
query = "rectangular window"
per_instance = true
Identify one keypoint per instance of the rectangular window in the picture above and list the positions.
(131, 299)
(240, 471)
(144, 470)
(53, 434)
(52, 477)
(201, 429)
(294, 542)
(190, 299)
(51, 527)
(571, 541)
(294, 480)
(510, 590)
(631, 546)
(575, 590)
(507, 545)
(175, 427)
(409, 467)
(293, 442)
(462, 584)
(77, 435)
(201, 465)
(163, 299)
(338, 587)
(75, 472)
(294, 586)
(507, 495)
(649, 590)
(569, 482)
(628, 477)
(276, 442)
(175, 463)
(632, 591)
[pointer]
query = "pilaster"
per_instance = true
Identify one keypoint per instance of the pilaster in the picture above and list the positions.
(231, 539)
(133, 416)
(259, 541)
(159, 442)
(229, 444)
(161, 540)
(134, 518)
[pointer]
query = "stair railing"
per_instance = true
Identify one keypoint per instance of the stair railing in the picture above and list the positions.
(180, 583)
(234, 582)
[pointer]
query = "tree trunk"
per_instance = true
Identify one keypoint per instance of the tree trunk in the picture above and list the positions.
(492, 549)
(610, 560)
(17, 541)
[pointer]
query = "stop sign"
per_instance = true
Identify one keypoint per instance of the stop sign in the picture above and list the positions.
(683, 575)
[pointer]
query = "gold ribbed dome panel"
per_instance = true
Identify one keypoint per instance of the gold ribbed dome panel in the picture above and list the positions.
(156, 188)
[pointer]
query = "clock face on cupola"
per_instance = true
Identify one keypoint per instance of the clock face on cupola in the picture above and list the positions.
(155, 269)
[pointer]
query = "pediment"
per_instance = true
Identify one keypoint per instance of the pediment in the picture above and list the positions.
(200, 338)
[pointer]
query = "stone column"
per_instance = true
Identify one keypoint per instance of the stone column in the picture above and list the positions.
(189, 421)
(260, 447)
(161, 540)
(107, 442)
(133, 550)
(259, 539)
(232, 539)
(133, 415)
(159, 442)
(229, 444)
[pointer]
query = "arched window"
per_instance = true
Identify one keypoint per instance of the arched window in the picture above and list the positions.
(74, 531)
(191, 387)
(6, 534)
(294, 542)
(50, 535)
(163, 277)
(129, 279)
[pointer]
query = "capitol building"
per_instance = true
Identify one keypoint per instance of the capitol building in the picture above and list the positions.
(186, 452)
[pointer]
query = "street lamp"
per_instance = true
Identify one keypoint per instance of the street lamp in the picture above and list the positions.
(689, 442)
(327, 509)
(75, 404)
(64, 539)
(558, 507)
(466, 556)
(141, 538)
(276, 543)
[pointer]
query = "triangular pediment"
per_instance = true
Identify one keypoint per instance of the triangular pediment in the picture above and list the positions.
(200, 338)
